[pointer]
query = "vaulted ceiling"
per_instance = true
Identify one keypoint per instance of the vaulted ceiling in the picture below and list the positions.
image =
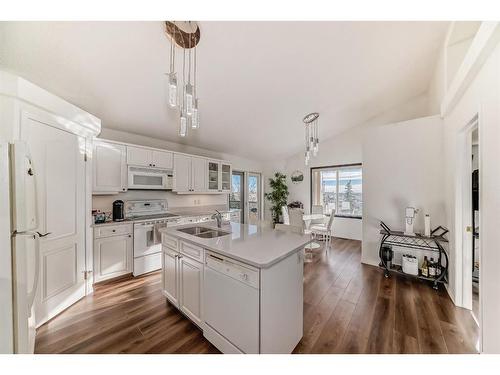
(256, 79)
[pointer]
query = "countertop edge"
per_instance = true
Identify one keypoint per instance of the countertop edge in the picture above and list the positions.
(172, 232)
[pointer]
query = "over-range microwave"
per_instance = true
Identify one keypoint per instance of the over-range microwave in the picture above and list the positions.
(149, 178)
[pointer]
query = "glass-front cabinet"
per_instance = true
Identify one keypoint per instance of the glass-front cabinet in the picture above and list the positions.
(226, 177)
(219, 176)
(213, 176)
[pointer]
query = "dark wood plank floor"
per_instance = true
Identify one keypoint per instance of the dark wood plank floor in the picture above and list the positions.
(348, 308)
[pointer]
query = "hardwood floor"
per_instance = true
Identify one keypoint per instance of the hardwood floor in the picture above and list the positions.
(348, 308)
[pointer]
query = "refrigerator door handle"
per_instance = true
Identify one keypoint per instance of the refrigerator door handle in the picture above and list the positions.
(36, 237)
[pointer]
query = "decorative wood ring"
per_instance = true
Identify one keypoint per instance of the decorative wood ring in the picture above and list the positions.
(180, 37)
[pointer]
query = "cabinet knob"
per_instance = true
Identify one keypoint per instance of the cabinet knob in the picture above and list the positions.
(114, 230)
(130, 235)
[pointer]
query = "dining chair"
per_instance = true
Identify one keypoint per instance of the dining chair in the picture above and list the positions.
(296, 217)
(286, 217)
(325, 230)
(317, 209)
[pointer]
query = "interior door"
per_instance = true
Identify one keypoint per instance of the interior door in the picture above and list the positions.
(58, 160)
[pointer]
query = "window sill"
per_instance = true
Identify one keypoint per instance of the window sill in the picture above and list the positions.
(349, 217)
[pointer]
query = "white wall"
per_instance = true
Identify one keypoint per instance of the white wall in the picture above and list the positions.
(402, 167)
(104, 202)
(343, 148)
(483, 97)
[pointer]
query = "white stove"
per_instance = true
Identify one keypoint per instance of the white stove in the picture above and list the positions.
(149, 217)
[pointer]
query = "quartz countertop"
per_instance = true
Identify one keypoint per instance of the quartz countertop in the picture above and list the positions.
(258, 245)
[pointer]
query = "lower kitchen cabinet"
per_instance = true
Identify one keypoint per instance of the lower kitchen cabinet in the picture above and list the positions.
(183, 283)
(113, 253)
(190, 288)
(170, 275)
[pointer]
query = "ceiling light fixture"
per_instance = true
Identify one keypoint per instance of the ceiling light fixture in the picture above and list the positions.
(185, 35)
(312, 135)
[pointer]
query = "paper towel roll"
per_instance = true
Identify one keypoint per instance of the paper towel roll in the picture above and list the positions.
(427, 222)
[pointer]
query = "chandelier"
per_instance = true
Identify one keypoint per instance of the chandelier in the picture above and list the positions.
(312, 135)
(182, 94)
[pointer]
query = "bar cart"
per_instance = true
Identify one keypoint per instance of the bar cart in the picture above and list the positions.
(418, 242)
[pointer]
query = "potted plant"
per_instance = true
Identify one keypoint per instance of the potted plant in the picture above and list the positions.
(278, 196)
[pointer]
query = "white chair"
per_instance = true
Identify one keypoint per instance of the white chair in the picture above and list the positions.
(286, 217)
(317, 209)
(295, 216)
(324, 229)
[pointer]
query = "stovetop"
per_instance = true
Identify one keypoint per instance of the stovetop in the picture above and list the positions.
(152, 217)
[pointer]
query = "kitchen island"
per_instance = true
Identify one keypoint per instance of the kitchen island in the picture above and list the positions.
(241, 284)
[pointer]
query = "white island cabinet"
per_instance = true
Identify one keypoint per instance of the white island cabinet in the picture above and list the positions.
(244, 288)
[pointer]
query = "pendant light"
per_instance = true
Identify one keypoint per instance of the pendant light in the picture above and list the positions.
(186, 100)
(311, 136)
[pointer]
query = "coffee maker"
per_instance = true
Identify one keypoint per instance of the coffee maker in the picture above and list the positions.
(118, 210)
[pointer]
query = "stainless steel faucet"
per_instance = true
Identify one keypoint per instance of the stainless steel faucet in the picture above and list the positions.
(218, 216)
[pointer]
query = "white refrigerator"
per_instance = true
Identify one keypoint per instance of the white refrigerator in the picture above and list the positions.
(20, 245)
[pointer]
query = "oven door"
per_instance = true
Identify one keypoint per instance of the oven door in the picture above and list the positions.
(148, 179)
(144, 240)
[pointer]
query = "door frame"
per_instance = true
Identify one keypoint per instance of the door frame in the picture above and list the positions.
(463, 219)
(261, 195)
(243, 192)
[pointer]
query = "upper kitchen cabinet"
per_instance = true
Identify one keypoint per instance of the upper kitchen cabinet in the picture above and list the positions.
(109, 167)
(213, 175)
(219, 176)
(146, 157)
(225, 177)
(189, 174)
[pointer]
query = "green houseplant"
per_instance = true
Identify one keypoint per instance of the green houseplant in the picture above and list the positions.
(278, 196)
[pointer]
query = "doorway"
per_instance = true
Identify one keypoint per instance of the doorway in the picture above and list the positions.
(467, 233)
(237, 196)
(254, 209)
(475, 223)
(246, 196)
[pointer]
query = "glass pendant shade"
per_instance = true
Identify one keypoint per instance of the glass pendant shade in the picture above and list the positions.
(172, 89)
(183, 125)
(195, 117)
(189, 98)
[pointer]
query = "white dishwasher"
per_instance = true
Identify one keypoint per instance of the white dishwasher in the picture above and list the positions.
(231, 302)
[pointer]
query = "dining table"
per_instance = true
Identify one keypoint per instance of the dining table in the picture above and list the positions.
(307, 221)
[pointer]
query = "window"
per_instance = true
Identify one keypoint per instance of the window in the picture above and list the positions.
(339, 188)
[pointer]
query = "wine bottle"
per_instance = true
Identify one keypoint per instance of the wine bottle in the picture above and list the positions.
(424, 270)
(432, 268)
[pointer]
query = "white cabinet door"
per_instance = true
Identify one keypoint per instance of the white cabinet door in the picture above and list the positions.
(225, 177)
(109, 167)
(170, 275)
(59, 169)
(213, 168)
(199, 174)
(112, 257)
(182, 173)
(190, 288)
(162, 159)
(139, 156)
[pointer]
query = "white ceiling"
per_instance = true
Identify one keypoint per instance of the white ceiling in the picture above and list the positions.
(256, 79)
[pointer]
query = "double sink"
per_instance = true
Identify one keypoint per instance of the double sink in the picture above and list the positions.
(204, 232)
